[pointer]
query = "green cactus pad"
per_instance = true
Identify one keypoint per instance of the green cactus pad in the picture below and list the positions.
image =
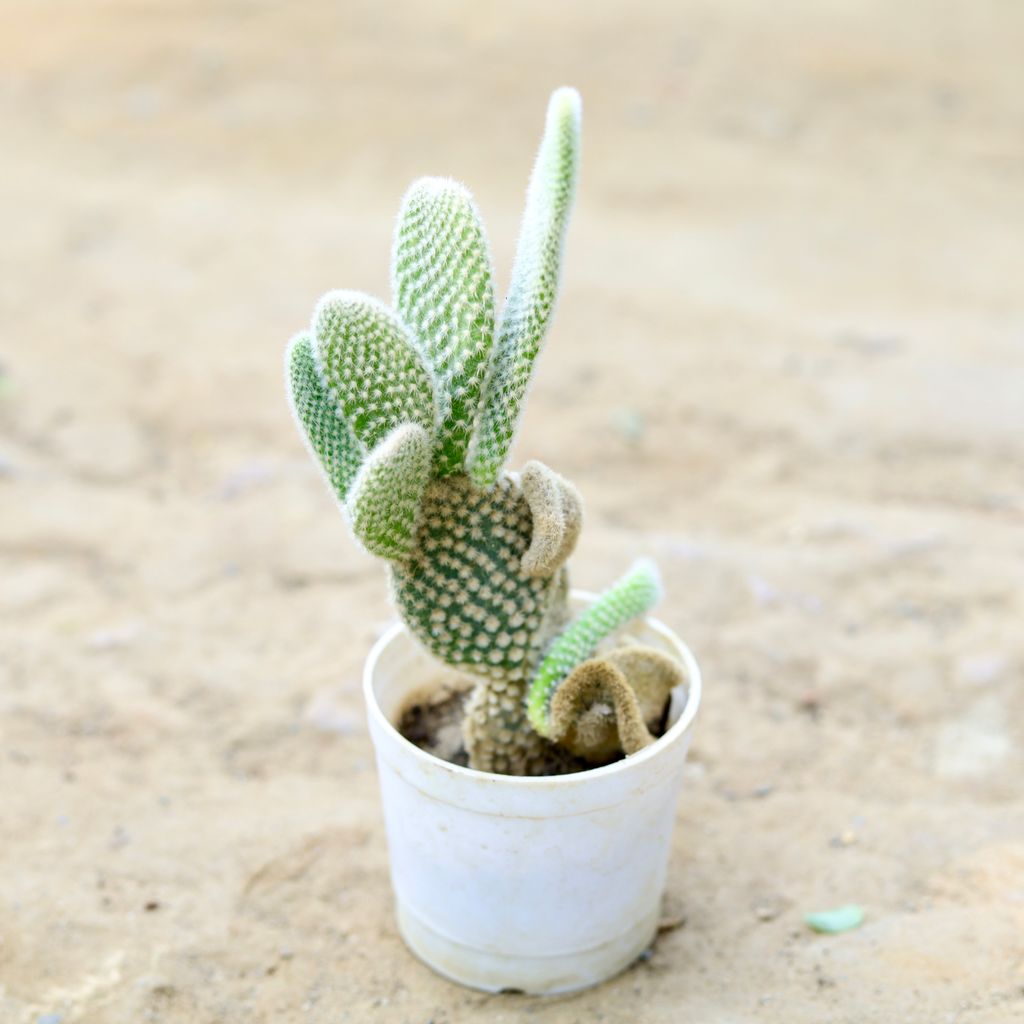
(373, 371)
(384, 505)
(441, 279)
(637, 592)
(463, 592)
(534, 285)
(327, 435)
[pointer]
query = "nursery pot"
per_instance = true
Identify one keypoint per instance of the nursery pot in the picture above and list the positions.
(541, 885)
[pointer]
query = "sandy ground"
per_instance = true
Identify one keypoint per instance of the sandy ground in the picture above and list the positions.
(788, 363)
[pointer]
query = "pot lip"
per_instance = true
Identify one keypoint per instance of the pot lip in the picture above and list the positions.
(678, 728)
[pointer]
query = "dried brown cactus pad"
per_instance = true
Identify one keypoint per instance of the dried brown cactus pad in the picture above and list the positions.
(609, 704)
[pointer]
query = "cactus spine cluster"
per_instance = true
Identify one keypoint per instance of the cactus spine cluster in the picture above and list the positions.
(411, 411)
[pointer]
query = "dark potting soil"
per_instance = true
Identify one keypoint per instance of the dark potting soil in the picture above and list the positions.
(434, 724)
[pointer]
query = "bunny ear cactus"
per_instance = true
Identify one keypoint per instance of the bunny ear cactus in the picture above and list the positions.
(411, 411)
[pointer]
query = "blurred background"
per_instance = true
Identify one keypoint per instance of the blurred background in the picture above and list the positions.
(788, 363)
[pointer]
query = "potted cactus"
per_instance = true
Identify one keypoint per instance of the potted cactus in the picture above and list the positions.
(539, 865)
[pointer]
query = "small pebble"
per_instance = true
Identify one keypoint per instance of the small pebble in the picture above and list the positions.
(810, 702)
(114, 637)
(765, 593)
(832, 922)
(981, 669)
(630, 425)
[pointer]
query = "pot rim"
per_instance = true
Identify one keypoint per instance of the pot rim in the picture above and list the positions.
(678, 728)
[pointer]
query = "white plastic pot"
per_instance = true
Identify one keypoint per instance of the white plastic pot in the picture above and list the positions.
(542, 885)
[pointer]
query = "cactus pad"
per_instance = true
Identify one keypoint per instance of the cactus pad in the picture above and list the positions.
(374, 373)
(384, 506)
(330, 440)
(441, 279)
(557, 512)
(531, 296)
(613, 703)
(463, 592)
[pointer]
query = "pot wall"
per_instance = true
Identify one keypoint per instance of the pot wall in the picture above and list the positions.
(543, 885)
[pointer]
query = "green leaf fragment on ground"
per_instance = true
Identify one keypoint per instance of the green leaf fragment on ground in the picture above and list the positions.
(832, 922)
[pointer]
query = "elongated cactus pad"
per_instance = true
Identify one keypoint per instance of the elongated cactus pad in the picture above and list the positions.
(374, 373)
(441, 279)
(630, 597)
(384, 506)
(531, 296)
(330, 440)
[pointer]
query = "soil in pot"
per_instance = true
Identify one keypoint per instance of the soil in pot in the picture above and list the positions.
(432, 720)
